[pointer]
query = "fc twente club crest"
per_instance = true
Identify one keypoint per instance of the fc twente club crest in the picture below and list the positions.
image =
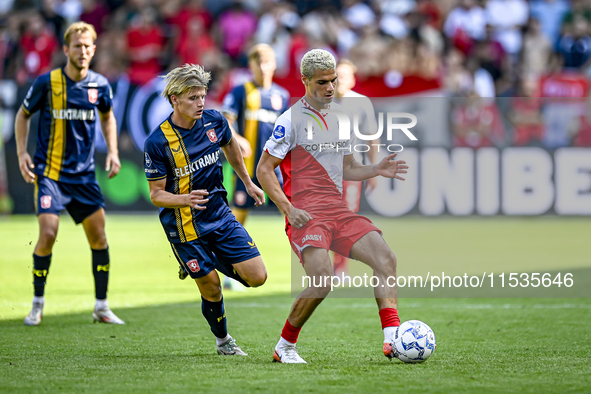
(92, 95)
(212, 135)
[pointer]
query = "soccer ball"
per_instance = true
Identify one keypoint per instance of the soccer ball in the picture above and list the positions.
(414, 342)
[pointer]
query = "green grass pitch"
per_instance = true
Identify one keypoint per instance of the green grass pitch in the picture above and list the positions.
(484, 344)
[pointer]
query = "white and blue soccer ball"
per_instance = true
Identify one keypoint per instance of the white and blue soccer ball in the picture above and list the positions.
(414, 342)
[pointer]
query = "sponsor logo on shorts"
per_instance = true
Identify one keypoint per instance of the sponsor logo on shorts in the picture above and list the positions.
(193, 265)
(212, 135)
(45, 202)
(252, 245)
(312, 237)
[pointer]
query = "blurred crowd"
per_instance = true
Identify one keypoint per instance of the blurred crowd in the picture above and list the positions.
(464, 48)
(469, 50)
(473, 47)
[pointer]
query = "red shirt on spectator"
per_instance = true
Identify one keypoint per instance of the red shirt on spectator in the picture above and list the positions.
(194, 43)
(38, 52)
(145, 43)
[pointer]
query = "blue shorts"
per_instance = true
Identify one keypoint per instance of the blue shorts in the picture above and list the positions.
(227, 245)
(80, 199)
(242, 200)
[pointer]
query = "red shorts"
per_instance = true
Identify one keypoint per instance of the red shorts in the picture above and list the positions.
(335, 228)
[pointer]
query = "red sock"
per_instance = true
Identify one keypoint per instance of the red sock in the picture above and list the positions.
(389, 317)
(290, 333)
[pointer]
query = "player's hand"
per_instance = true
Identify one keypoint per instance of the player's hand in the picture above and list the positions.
(197, 197)
(256, 193)
(390, 168)
(371, 184)
(26, 165)
(298, 217)
(113, 165)
(244, 146)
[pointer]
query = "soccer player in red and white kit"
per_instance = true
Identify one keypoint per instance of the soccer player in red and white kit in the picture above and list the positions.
(360, 105)
(314, 161)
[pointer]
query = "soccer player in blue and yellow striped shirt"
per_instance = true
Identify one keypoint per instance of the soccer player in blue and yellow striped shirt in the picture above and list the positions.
(63, 165)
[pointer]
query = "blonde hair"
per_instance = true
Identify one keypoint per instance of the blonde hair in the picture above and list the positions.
(317, 59)
(79, 28)
(184, 78)
(258, 51)
(347, 62)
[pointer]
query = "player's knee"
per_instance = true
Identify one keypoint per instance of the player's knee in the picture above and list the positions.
(211, 292)
(258, 279)
(97, 239)
(98, 243)
(47, 236)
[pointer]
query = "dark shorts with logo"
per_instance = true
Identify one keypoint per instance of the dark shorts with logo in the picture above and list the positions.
(80, 199)
(227, 245)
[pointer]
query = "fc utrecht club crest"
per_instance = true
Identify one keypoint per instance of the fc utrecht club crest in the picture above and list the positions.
(193, 265)
(92, 95)
(45, 202)
(212, 135)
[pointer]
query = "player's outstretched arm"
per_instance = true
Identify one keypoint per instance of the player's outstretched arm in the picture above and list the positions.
(109, 127)
(268, 180)
(234, 157)
(163, 199)
(21, 131)
(388, 167)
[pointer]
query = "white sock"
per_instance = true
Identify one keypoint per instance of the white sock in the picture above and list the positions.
(39, 300)
(283, 342)
(389, 333)
(223, 340)
(101, 304)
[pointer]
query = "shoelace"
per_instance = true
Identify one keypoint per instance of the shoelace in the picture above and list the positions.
(229, 346)
(290, 353)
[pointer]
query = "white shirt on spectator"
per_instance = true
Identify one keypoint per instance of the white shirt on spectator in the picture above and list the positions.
(507, 17)
(359, 15)
(472, 21)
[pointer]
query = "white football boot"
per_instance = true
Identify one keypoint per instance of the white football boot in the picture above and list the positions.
(105, 315)
(229, 348)
(287, 354)
(34, 317)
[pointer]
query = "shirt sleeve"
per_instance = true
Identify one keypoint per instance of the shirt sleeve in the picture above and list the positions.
(36, 95)
(154, 160)
(105, 99)
(225, 134)
(282, 140)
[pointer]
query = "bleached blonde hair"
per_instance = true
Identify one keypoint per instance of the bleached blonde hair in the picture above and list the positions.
(317, 59)
(184, 78)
